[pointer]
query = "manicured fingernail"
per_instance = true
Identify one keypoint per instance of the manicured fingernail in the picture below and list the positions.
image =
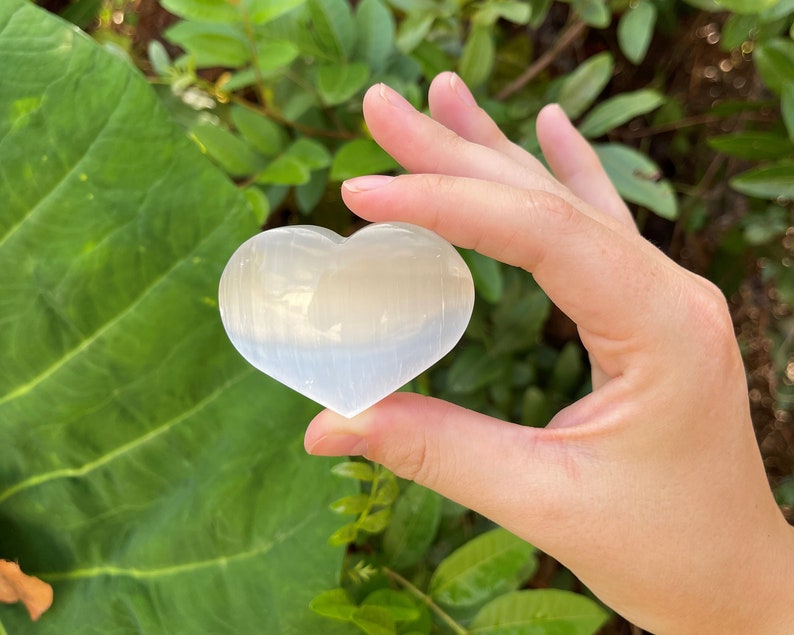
(365, 183)
(461, 90)
(394, 98)
(342, 444)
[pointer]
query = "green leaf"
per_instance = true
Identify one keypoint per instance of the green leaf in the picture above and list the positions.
(787, 107)
(374, 620)
(473, 368)
(352, 505)
(359, 157)
(211, 44)
(145, 463)
(203, 10)
(539, 611)
(285, 170)
(638, 179)
(399, 605)
(769, 181)
(477, 59)
(580, 89)
(158, 58)
(226, 148)
(261, 133)
(534, 408)
(618, 110)
(635, 30)
(376, 523)
(334, 28)
(344, 535)
(263, 11)
(311, 153)
(487, 274)
(515, 12)
(486, 566)
(746, 6)
(257, 203)
(335, 604)
(308, 195)
(753, 146)
(413, 30)
(519, 317)
(376, 30)
(355, 470)
(413, 526)
(594, 12)
(568, 370)
(337, 83)
(774, 59)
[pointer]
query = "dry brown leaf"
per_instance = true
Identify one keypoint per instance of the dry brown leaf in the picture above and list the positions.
(15, 586)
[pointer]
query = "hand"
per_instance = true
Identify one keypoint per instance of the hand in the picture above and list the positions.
(650, 489)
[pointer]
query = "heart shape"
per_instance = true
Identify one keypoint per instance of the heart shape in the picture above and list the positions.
(345, 321)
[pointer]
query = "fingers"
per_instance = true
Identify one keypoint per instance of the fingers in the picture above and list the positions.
(611, 282)
(453, 106)
(488, 465)
(576, 165)
(423, 145)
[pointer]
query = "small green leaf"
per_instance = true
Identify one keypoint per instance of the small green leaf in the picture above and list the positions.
(638, 179)
(753, 146)
(158, 58)
(351, 505)
(746, 6)
(635, 31)
(226, 148)
(262, 11)
(487, 566)
(261, 133)
(774, 60)
(344, 535)
(534, 408)
(354, 469)
(594, 12)
(203, 10)
(413, 30)
(568, 370)
(285, 170)
(487, 274)
(358, 157)
(413, 526)
(336, 83)
(309, 194)
(399, 605)
(312, 153)
(539, 611)
(211, 44)
(374, 620)
(770, 181)
(618, 110)
(335, 604)
(377, 522)
(388, 490)
(580, 89)
(258, 203)
(473, 368)
(334, 28)
(376, 30)
(477, 58)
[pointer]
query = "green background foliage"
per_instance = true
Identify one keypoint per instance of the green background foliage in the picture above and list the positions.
(156, 480)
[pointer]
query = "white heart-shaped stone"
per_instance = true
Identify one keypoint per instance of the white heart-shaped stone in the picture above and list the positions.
(345, 321)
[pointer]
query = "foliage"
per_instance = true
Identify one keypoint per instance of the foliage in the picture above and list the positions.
(128, 418)
(152, 477)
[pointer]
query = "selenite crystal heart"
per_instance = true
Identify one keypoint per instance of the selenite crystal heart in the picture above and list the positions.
(345, 321)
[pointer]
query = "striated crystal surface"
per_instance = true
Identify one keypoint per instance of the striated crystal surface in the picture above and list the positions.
(345, 321)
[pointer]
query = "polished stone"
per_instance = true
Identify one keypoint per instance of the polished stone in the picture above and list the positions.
(345, 321)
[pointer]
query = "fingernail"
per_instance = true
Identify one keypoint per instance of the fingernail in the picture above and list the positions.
(461, 90)
(366, 183)
(343, 444)
(394, 98)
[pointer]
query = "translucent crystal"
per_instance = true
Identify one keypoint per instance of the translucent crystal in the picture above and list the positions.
(345, 322)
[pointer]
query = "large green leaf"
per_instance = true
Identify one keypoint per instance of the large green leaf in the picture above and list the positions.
(156, 480)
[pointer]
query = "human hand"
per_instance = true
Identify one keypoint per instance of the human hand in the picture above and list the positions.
(650, 489)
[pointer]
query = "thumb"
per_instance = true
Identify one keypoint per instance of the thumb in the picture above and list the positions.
(490, 466)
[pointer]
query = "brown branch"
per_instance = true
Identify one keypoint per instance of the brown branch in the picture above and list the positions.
(568, 37)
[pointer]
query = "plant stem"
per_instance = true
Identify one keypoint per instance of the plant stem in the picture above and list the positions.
(568, 37)
(425, 599)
